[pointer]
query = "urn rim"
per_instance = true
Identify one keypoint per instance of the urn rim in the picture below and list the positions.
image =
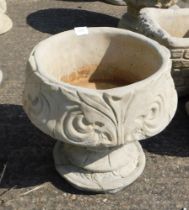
(50, 81)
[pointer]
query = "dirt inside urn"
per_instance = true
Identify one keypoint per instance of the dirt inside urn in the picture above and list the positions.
(90, 78)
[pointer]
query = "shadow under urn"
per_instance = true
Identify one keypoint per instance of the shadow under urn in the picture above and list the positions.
(98, 94)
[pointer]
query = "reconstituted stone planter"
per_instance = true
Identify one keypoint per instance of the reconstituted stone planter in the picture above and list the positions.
(170, 28)
(5, 21)
(131, 19)
(98, 94)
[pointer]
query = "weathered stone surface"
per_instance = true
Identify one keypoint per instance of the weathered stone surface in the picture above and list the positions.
(186, 54)
(28, 152)
(180, 63)
(3, 6)
(130, 20)
(172, 34)
(178, 53)
(5, 21)
(99, 157)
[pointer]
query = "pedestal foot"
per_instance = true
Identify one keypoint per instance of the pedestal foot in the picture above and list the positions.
(108, 170)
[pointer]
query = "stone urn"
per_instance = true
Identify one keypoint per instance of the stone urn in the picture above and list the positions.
(98, 94)
(131, 21)
(170, 28)
(5, 21)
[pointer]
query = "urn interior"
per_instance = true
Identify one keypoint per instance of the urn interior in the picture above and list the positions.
(99, 60)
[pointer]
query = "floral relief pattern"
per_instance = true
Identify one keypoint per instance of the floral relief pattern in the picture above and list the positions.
(102, 119)
(161, 110)
(97, 119)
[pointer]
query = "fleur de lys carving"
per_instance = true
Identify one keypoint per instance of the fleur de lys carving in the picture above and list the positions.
(98, 130)
(101, 119)
(96, 119)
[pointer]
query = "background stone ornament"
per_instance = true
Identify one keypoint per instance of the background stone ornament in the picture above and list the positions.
(5, 21)
(170, 28)
(130, 20)
(98, 128)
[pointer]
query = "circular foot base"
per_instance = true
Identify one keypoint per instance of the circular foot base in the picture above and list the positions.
(5, 23)
(85, 178)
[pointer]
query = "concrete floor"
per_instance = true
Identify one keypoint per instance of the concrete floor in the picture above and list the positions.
(27, 152)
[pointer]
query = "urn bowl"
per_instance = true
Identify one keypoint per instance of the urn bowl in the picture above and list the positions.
(99, 93)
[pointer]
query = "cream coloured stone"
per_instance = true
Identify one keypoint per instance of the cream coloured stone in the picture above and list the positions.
(170, 28)
(98, 128)
(3, 6)
(5, 21)
(130, 20)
